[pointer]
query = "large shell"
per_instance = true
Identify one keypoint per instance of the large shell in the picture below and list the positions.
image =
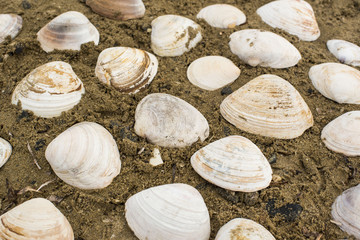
(343, 134)
(336, 81)
(233, 163)
(5, 151)
(269, 106)
(346, 52)
(266, 49)
(10, 25)
(242, 228)
(346, 211)
(173, 211)
(212, 72)
(294, 16)
(85, 156)
(174, 35)
(222, 16)
(118, 9)
(127, 69)
(67, 31)
(169, 121)
(37, 218)
(49, 90)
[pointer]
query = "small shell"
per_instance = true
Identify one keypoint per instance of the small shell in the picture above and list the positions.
(294, 16)
(67, 32)
(49, 90)
(37, 218)
(173, 211)
(174, 35)
(10, 25)
(118, 9)
(345, 52)
(127, 69)
(267, 49)
(5, 151)
(169, 121)
(269, 106)
(85, 156)
(233, 163)
(336, 81)
(242, 228)
(222, 16)
(212, 72)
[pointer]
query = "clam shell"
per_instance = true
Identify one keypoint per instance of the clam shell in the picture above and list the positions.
(67, 32)
(266, 49)
(5, 151)
(345, 52)
(294, 16)
(173, 211)
(118, 9)
(336, 81)
(85, 156)
(212, 72)
(127, 69)
(10, 25)
(169, 121)
(222, 16)
(269, 106)
(174, 35)
(233, 163)
(242, 228)
(37, 218)
(49, 90)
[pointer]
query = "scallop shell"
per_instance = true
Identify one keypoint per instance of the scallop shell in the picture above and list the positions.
(242, 228)
(85, 156)
(222, 16)
(49, 90)
(233, 163)
(294, 16)
(173, 211)
(67, 32)
(174, 35)
(336, 81)
(37, 218)
(10, 25)
(267, 49)
(5, 151)
(169, 121)
(127, 69)
(269, 106)
(118, 9)
(345, 52)
(212, 72)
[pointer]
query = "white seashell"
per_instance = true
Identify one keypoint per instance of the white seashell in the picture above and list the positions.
(233, 163)
(49, 90)
(242, 228)
(345, 52)
(174, 35)
(127, 69)
(5, 151)
(173, 211)
(336, 81)
(156, 159)
(222, 16)
(85, 156)
(343, 134)
(169, 121)
(266, 49)
(10, 25)
(294, 16)
(118, 9)
(269, 106)
(346, 211)
(212, 72)
(37, 218)
(67, 32)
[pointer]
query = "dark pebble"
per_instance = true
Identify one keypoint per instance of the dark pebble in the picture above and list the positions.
(226, 91)
(289, 211)
(26, 4)
(39, 144)
(226, 131)
(19, 49)
(273, 159)
(24, 114)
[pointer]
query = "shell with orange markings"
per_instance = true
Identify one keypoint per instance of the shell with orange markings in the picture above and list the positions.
(118, 9)
(5, 151)
(10, 25)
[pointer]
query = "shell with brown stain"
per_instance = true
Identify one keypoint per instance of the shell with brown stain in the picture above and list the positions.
(118, 9)
(5, 151)
(10, 25)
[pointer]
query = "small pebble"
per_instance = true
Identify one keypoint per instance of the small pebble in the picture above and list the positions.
(25, 4)
(226, 90)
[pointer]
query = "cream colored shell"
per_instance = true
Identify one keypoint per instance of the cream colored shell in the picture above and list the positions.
(5, 151)
(10, 25)
(346, 52)
(85, 156)
(269, 106)
(118, 9)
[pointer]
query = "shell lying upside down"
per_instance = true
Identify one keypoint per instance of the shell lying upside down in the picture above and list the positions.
(118, 9)
(345, 52)
(5, 151)
(10, 25)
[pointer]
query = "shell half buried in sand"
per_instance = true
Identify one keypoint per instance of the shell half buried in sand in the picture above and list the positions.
(5, 151)
(10, 25)
(118, 10)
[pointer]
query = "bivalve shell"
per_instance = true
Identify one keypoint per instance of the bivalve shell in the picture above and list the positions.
(118, 9)
(5, 151)
(346, 52)
(10, 25)
(173, 211)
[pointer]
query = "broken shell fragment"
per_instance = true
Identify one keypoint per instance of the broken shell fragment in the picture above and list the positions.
(346, 52)
(156, 159)
(5, 151)
(10, 25)
(118, 9)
